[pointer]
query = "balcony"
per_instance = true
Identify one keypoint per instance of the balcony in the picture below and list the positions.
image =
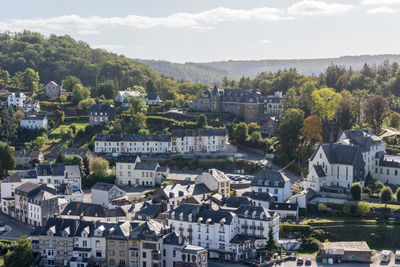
(245, 226)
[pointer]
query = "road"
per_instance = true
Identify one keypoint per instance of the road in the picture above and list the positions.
(18, 228)
(389, 133)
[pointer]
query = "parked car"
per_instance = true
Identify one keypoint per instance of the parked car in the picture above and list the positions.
(308, 262)
(397, 255)
(300, 261)
(386, 255)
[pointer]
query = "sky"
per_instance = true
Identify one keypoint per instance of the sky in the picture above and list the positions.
(214, 30)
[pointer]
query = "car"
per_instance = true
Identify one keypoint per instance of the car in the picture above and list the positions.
(308, 262)
(187, 178)
(269, 165)
(238, 156)
(300, 261)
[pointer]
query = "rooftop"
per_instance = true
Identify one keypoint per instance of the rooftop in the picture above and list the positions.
(349, 245)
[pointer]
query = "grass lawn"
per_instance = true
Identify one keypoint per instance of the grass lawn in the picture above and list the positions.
(390, 206)
(1, 260)
(78, 125)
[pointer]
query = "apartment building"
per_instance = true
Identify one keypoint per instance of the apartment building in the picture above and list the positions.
(215, 180)
(274, 182)
(273, 104)
(58, 174)
(33, 122)
(31, 106)
(100, 114)
(16, 99)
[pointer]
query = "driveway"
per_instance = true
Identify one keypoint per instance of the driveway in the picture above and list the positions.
(18, 228)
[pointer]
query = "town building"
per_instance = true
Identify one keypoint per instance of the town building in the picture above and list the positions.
(100, 114)
(387, 168)
(269, 125)
(174, 194)
(93, 212)
(58, 174)
(131, 171)
(34, 122)
(124, 96)
(244, 103)
(273, 182)
(31, 106)
(53, 89)
(335, 167)
(16, 99)
(27, 157)
(153, 100)
(273, 104)
(189, 141)
(215, 180)
(84, 153)
(356, 251)
(103, 193)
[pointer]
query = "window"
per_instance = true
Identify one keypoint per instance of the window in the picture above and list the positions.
(121, 244)
(144, 255)
(174, 253)
(112, 262)
(122, 262)
(112, 244)
(387, 171)
(122, 253)
(84, 243)
(112, 253)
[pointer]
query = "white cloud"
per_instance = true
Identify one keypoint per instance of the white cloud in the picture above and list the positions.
(265, 41)
(92, 25)
(381, 10)
(380, 2)
(318, 8)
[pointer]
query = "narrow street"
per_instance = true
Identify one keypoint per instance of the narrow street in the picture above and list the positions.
(18, 228)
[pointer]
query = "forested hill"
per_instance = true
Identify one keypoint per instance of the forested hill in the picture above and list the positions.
(56, 57)
(211, 72)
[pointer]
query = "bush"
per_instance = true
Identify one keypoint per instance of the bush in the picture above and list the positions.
(356, 191)
(309, 244)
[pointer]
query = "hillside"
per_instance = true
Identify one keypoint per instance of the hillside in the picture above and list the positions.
(190, 71)
(56, 57)
(211, 72)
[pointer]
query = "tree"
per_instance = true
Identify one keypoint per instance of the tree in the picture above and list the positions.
(21, 255)
(289, 131)
(345, 112)
(240, 132)
(8, 124)
(168, 104)
(60, 158)
(362, 209)
(106, 89)
(99, 167)
(5, 78)
(7, 161)
(137, 104)
(312, 129)
(255, 136)
(356, 191)
(271, 243)
(30, 80)
(19, 115)
(290, 101)
(253, 127)
(70, 81)
(386, 195)
(325, 102)
(138, 121)
(395, 120)
(376, 110)
(86, 104)
(398, 194)
(79, 93)
(369, 180)
(202, 121)
(60, 115)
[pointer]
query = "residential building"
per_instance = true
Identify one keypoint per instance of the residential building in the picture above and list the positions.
(187, 141)
(387, 168)
(244, 103)
(93, 212)
(103, 193)
(131, 171)
(27, 157)
(153, 100)
(100, 114)
(53, 89)
(34, 122)
(274, 182)
(285, 210)
(58, 174)
(269, 126)
(174, 194)
(215, 180)
(260, 199)
(335, 167)
(84, 153)
(124, 96)
(16, 99)
(274, 104)
(31, 106)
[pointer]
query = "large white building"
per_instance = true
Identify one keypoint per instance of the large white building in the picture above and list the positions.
(124, 96)
(16, 99)
(225, 234)
(180, 141)
(131, 171)
(34, 122)
(273, 182)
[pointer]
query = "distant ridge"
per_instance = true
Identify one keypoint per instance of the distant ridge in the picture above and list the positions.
(211, 72)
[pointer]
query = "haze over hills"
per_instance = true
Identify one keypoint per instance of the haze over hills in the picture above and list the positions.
(211, 72)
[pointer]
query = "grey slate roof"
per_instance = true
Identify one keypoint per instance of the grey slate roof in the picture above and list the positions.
(172, 239)
(236, 95)
(283, 206)
(270, 178)
(104, 108)
(68, 151)
(127, 158)
(256, 210)
(152, 96)
(146, 166)
(261, 196)
(26, 153)
(319, 170)
(102, 186)
(235, 202)
(202, 211)
(56, 169)
(340, 154)
(362, 138)
(34, 118)
(199, 132)
(386, 160)
(91, 210)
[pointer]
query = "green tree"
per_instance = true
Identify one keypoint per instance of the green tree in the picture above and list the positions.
(325, 102)
(202, 121)
(17, 79)
(99, 167)
(79, 93)
(289, 131)
(138, 121)
(60, 115)
(30, 80)
(362, 209)
(168, 104)
(60, 157)
(7, 161)
(271, 246)
(8, 124)
(398, 194)
(21, 255)
(345, 112)
(290, 100)
(369, 180)
(395, 120)
(70, 81)
(253, 127)
(240, 132)
(386, 195)
(5, 78)
(356, 191)
(106, 89)
(137, 104)
(255, 136)
(86, 104)
(376, 110)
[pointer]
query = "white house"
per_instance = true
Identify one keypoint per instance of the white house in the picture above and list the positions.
(215, 180)
(274, 104)
(123, 96)
(273, 182)
(174, 194)
(31, 106)
(34, 122)
(16, 99)
(153, 100)
(103, 193)
(54, 89)
(58, 174)
(335, 167)
(131, 171)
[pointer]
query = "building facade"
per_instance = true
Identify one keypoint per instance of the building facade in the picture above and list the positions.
(273, 104)
(16, 99)
(34, 122)
(100, 114)
(273, 182)
(53, 89)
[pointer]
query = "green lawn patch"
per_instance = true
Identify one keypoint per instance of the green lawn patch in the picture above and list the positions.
(78, 125)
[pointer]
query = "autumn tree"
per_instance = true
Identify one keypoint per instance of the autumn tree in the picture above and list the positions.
(253, 127)
(312, 129)
(376, 110)
(325, 102)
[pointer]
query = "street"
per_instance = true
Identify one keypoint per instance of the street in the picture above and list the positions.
(18, 228)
